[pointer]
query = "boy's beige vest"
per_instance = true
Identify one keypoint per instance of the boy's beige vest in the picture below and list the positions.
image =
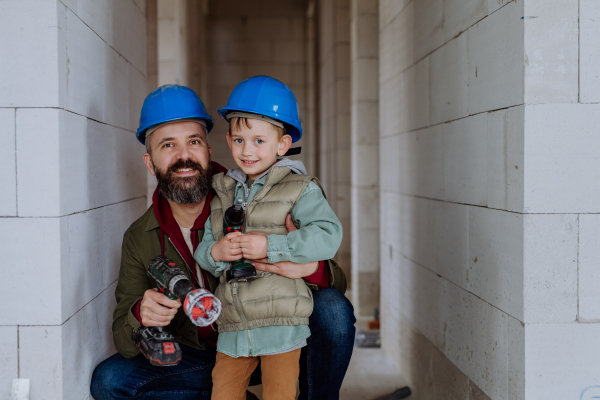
(271, 299)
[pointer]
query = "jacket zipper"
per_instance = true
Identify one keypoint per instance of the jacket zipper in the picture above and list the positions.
(199, 279)
(238, 307)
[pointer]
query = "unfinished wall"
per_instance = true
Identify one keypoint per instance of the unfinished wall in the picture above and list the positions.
(334, 115)
(488, 196)
(248, 38)
(72, 182)
(365, 154)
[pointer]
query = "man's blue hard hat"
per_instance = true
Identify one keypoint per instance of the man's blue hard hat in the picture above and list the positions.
(170, 103)
(267, 96)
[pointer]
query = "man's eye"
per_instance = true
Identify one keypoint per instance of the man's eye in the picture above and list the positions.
(195, 142)
(168, 145)
(258, 141)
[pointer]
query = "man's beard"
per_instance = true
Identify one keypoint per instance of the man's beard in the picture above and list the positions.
(186, 190)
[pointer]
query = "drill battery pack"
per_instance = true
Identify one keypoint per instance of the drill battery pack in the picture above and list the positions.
(158, 346)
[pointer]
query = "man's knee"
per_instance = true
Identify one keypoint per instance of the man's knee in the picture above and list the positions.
(105, 381)
(333, 314)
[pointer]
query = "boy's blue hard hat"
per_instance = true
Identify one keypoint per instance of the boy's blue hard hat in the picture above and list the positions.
(264, 95)
(170, 103)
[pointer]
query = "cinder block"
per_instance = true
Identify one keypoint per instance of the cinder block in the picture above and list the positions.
(94, 243)
(9, 354)
(397, 44)
(458, 321)
(392, 169)
(465, 160)
(365, 168)
(39, 272)
(429, 22)
(550, 268)
(505, 171)
(366, 35)
(225, 74)
(417, 224)
(589, 276)
(41, 350)
(391, 115)
(488, 349)
(496, 59)
(342, 26)
(365, 7)
(267, 28)
(575, 376)
(298, 78)
(342, 101)
(449, 81)
(460, 15)
(496, 271)
(30, 53)
(96, 14)
(390, 213)
(116, 95)
(551, 51)
(299, 31)
(343, 62)
(561, 156)
(90, 332)
(389, 9)
(128, 33)
(450, 237)
(32, 181)
(227, 29)
(365, 123)
(248, 51)
(291, 51)
(516, 359)
(85, 81)
(104, 166)
(141, 4)
(589, 88)
(8, 177)
(136, 95)
(421, 155)
(365, 80)
(494, 5)
(169, 39)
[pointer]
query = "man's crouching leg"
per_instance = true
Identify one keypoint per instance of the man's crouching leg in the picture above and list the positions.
(118, 377)
(324, 361)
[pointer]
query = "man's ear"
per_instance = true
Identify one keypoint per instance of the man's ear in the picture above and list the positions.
(284, 145)
(148, 162)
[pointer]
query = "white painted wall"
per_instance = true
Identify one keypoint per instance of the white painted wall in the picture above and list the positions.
(72, 180)
(489, 197)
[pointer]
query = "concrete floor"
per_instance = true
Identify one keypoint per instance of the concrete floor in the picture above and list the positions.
(371, 374)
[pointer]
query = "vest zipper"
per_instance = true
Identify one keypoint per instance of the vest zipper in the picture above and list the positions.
(199, 279)
(238, 307)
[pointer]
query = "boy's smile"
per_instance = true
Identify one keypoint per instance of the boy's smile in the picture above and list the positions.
(255, 146)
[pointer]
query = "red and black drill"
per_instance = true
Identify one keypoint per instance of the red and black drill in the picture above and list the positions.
(202, 307)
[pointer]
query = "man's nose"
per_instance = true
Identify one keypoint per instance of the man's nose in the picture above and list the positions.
(183, 153)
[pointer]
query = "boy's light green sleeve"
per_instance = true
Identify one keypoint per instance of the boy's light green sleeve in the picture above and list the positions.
(202, 254)
(319, 235)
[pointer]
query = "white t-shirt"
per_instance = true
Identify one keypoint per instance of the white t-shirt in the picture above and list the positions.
(187, 236)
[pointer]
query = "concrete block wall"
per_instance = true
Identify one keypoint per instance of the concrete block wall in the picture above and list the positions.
(334, 116)
(74, 181)
(487, 148)
(249, 38)
(364, 22)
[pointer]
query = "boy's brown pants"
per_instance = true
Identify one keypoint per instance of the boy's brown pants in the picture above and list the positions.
(279, 376)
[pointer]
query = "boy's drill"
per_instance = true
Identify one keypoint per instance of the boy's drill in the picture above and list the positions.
(235, 217)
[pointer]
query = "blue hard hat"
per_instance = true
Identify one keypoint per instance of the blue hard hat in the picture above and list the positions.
(267, 96)
(170, 103)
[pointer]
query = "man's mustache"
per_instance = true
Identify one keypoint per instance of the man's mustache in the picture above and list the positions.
(181, 164)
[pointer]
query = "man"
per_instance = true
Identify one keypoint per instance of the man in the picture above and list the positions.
(174, 127)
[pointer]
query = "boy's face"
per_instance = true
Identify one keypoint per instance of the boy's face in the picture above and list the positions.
(255, 147)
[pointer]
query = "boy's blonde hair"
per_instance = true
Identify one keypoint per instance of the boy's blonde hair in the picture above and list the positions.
(237, 123)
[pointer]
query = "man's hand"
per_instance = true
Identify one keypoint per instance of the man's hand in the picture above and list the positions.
(253, 245)
(287, 268)
(226, 250)
(156, 309)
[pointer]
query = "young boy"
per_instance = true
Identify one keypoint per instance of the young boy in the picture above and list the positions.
(267, 317)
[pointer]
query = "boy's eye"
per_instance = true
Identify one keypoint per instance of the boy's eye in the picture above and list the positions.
(258, 141)
(238, 140)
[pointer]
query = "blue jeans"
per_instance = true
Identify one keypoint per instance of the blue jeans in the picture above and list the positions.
(323, 362)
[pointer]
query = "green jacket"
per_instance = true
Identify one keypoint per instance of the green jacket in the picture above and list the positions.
(141, 243)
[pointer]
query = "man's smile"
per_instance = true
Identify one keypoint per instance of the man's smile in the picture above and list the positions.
(185, 171)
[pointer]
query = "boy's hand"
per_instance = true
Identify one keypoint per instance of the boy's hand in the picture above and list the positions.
(253, 246)
(226, 250)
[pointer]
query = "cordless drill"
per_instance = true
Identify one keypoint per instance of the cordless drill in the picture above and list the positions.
(157, 344)
(240, 270)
